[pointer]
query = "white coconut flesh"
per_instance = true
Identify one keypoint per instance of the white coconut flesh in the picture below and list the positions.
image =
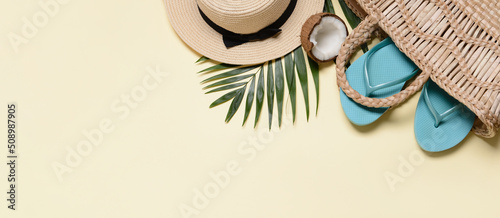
(327, 38)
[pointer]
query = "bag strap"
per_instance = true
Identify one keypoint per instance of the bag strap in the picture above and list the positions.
(360, 35)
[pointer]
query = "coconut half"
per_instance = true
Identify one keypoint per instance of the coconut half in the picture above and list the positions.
(322, 36)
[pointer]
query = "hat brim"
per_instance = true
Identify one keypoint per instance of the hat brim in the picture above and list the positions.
(196, 33)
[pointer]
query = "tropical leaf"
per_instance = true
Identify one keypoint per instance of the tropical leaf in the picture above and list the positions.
(235, 104)
(217, 68)
(257, 84)
(290, 80)
(352, 19)
(250, 97)
(227, 87)
(270, 92)
(260, 96)
(230, 73)
(300, 63)
(328, 7)
(202, 59)
(280, 88)
(224, 98)
(315, 74)
(228, 81)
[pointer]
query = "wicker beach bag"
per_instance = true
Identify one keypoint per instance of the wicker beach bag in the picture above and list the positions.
(456, 43)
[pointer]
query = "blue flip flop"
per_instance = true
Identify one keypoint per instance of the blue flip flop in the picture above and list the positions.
(384, 65)
(441, 122)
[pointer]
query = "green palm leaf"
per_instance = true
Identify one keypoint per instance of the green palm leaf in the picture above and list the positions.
(228, 81)
(234, 72)
(250, 97)
(202, 59)
(300, 63)
(260, 96)
(224, 98)
(227, 87)
(280, 88)
(290, 80)
(260, 83)
(328, 7)
(315, 74)
(217, 68)
(235, 104)
(270, 92)
(352, 19)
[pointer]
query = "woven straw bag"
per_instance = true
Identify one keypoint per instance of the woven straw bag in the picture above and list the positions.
(456, 43)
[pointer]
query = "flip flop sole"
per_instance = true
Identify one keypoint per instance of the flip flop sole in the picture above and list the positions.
(386, 64)
(450, 131)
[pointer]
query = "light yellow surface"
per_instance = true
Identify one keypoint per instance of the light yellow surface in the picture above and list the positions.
(70, 73)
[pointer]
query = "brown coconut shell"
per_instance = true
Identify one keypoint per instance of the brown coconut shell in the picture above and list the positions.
(308, 27)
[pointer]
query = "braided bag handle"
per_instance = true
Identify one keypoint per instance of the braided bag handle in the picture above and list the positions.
(360, 35)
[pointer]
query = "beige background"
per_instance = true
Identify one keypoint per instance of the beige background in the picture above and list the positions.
(68, 75)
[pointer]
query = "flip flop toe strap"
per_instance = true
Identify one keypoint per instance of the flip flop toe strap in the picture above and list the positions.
(370, 88)
(438, 117)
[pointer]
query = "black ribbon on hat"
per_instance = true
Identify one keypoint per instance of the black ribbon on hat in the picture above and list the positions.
(232, 39)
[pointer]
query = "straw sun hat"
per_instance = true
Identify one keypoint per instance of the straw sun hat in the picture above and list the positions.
(241, 31)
